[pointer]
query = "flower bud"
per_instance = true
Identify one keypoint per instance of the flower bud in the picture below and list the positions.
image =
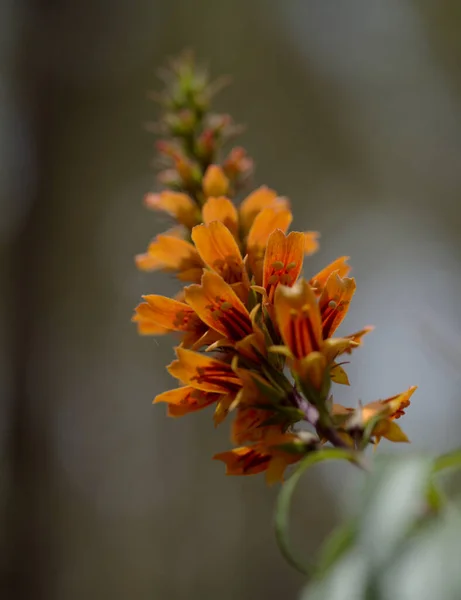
(314, 378)
(206, 145)
(169, 178)
(215, 183)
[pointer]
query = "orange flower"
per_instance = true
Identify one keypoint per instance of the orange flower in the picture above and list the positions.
(300, 323)
(204, 372)
(311, 242)
(258, 200)
(265, 223)
(298, 317)
(247, 425)
(339, 265)
(269, 456)
(249, 420)
(217, 305)
(146, 325)
(169, 315)
(389, 410)
(184, 400)
(173, 254)
(357, 337)
(218, 249)
(221, 209)
(283, 260)
(334, 302)
(178, 205)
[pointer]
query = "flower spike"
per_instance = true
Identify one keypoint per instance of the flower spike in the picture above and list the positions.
(257, 339)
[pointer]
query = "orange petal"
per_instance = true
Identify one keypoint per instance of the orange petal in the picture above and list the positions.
(247, 424)
(392, 432)
(398, 403)
(222, 408)
(298, 318)
(276, 469)
(334, 302)
(221, 209)
(184, 400)
(340, 410)
(215, 182)
(339, 375)
(169, 313)
(253, 204)
(180, 206)
(311, 243)
(392, 408)
(334, 347)
(218, 249)
(171, 254)
(339, 265)
(204, 372)
(283, 260)
(244, 461)
(357, 337)
(265, 223)
(219, 307)
(146, 324)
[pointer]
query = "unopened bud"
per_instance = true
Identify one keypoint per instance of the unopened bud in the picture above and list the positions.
(188, 171)
(215, 183)
(238, 165)
(169, 178)
(180, 123)
(206, 145)
(314, 378)
(313, 369)
(167, 148)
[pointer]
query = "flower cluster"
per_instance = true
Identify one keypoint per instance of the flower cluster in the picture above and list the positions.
(257, 339)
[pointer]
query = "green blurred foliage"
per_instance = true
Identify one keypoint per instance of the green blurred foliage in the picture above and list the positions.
(403, 543)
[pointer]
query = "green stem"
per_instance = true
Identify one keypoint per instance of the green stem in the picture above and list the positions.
(282, 511)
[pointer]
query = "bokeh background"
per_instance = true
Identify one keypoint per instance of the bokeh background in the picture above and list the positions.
(353, 111)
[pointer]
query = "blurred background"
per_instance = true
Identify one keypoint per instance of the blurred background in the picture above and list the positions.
(354, 112)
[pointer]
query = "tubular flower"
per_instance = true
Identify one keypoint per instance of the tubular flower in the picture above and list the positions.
(223, 210)
(273, 455)
(179, 206)
(186, 399)
(380, 414)
(217, 305)
(204, 372)
(159, 314)
(256, 338)
(172, 254)
(219, 251)
(283, 260)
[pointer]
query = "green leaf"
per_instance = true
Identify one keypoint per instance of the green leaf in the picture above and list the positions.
(336, 545)
(347, 581)
(427, 565)
(451, 460)
(394, 498)
(282, 511)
